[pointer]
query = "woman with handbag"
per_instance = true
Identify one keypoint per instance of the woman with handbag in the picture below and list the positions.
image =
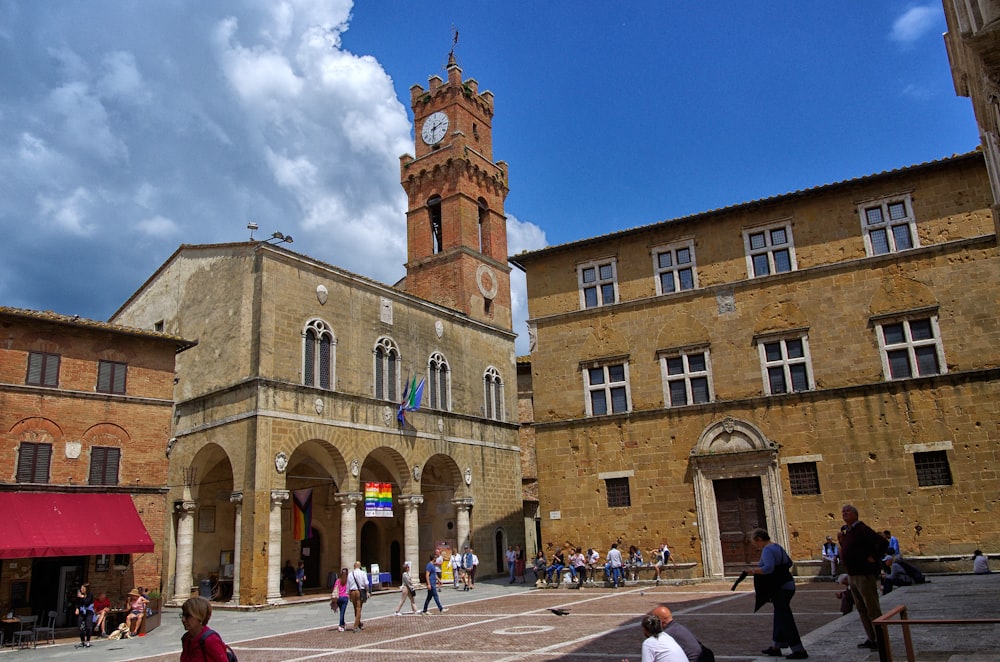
(774, 583)
(340, 597)
(408, 591)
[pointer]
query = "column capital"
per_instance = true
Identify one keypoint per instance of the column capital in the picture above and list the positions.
(185, 507)
(279, 496)
(410, 500)
(349, 499)
(464, 504)
(236, 497)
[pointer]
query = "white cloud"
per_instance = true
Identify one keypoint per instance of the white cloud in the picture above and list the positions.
(521, 236)
(85, 123)
(121, 79)
(914, 23)
(68, 213)
(158, 226)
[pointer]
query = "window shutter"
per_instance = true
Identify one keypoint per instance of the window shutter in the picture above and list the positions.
(120, 370)
(35, 362)
(98, 457)
(51, 374)
(324, 362)
(104, 377)
(26, 463)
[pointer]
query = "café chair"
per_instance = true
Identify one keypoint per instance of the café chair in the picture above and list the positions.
(48, 631)
(26, 635)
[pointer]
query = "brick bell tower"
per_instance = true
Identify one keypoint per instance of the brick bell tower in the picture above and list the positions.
(456, 229)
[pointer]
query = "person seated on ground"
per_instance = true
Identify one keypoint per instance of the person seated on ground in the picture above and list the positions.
(845, 596)
(689, 643)
(980, 565)
(558, 563)
(894, 574)
(136, 611)
(102, 607)
(658, 645)
(540, 567)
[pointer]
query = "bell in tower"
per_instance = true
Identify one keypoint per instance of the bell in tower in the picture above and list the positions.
(456, 229)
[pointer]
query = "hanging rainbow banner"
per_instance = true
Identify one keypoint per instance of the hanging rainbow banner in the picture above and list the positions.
(378, 499)
(302, 505)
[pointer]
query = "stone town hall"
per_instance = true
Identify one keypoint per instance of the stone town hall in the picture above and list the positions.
(299, 368)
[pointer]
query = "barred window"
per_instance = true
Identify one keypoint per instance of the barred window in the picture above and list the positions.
(932, 468)
(618, 492)
(104, 461)
(43, 369)
(111, 377)
(33, 462)
(803, 478)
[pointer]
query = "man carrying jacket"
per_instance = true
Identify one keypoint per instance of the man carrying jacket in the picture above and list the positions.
(860, 551)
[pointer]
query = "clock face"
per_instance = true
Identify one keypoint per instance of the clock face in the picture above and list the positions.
(435, 128)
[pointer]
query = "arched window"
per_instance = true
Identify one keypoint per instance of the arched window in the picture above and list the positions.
(493, 394)
(434, 212)
(318, 364)
(386, 370)
(439, 382)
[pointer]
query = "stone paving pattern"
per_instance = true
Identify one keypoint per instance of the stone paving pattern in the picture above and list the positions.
(498, 622)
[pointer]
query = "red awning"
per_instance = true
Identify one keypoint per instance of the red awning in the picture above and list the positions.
(37, 524)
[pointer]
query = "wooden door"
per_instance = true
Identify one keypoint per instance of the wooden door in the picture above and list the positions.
(740, 505)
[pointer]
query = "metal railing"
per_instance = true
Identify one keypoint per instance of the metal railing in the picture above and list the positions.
(885, 620)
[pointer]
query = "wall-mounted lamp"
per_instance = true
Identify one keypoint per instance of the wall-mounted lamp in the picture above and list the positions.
(279, 238)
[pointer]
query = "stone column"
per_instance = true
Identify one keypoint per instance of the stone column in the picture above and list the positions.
(411, 530)
(185, 549)
(278, 497)
(462, 510)
(348, 526)
(236, 498)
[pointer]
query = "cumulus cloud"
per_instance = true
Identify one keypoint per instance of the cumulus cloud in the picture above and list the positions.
(158, 226)
(914, 23)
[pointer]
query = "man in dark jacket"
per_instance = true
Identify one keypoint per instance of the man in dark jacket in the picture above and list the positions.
(861, 551)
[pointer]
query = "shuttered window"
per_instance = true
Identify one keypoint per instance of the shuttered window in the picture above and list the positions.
(33, 462)
(111, 377)
(43, 369)
(104, 462)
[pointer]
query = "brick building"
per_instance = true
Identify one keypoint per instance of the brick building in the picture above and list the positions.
(764, 363)
(85, 411)
(292, 392)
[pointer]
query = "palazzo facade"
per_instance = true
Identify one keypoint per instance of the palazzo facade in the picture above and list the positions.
(762, 364)
(295, 384)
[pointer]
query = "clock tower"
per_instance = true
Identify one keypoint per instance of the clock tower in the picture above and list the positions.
(456, 229)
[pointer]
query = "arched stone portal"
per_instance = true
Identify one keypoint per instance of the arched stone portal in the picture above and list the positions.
(731, 456)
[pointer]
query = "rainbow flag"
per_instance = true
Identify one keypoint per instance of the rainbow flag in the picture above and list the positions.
(302, 507)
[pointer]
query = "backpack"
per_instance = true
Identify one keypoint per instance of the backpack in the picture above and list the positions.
(206, 632)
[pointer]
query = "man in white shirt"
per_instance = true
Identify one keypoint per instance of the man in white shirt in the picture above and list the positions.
(615, 565)
(357, 580)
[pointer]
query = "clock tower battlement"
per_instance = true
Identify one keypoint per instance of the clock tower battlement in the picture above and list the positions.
(456, 226)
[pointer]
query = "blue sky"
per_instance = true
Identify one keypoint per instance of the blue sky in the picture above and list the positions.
(128, 128)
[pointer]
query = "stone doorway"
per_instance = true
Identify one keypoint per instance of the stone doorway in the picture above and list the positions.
(730, 450)
(740, 506)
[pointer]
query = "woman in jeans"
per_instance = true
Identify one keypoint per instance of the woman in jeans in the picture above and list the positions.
(339, 597)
